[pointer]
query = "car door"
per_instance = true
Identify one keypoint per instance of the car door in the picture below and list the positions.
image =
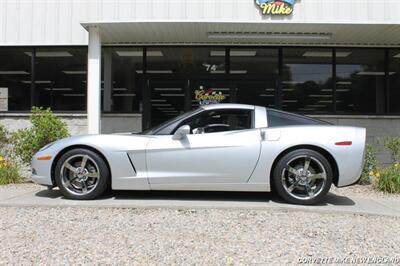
(222, 151)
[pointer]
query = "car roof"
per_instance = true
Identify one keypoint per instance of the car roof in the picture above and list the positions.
(227, 106)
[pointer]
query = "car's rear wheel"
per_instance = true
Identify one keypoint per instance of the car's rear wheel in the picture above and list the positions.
(81, 174)
(303, 177)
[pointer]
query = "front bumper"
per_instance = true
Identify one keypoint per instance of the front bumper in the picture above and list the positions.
(41, 170)
(42, 180)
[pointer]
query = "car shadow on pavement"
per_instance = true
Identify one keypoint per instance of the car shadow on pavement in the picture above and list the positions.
(330, 199)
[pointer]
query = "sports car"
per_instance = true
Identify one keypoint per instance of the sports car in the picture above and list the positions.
(219, 147)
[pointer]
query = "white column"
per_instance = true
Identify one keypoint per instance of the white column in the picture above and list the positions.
(94, 81)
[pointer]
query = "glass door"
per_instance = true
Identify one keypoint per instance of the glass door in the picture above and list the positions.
(167, 99)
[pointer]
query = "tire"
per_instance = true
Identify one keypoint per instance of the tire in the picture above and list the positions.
(298, 185)
(82, 174)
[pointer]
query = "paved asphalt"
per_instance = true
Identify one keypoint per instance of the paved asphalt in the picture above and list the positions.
(41, 197)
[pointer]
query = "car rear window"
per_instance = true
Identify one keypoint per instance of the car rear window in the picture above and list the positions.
(280, 119)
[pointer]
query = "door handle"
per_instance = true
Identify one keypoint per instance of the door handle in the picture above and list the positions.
(263, 135)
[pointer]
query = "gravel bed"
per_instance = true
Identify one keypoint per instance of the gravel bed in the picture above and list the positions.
(65, 236)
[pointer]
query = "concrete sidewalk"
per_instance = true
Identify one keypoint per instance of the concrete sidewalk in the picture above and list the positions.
(41, 197)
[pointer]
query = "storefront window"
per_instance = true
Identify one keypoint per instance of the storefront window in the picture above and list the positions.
(254, 61)
(122, 79)
(260, 65)
(394, 81)
(360, 80)
(60, 78)
(256, 91)
(194, 60)
(167, 99)
(15, 79)
(307, 80)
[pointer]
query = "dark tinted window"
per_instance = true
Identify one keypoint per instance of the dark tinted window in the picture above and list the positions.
(168, 126)
(15, 79)
(121, 80)
(394, 81)
(307, 80)
(221, 120)
(60, 78)
(280, 119)
(360, 80)
(188, 60)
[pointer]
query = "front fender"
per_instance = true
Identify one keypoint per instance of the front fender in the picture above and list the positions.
(114, 148)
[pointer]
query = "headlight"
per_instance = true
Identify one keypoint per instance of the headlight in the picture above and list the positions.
(47, 146)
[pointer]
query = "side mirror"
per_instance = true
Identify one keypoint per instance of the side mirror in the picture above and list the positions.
(181, 132)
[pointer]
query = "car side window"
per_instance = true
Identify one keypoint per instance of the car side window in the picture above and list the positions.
(220, 121)
(280, 119)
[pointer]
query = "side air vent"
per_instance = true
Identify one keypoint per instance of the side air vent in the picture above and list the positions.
(130, 160)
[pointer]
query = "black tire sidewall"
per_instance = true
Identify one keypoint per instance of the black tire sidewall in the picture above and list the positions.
(104, 179)
(282, 164)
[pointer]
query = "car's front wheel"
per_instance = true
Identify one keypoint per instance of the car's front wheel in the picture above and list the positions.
(81, 174)
(303, 177)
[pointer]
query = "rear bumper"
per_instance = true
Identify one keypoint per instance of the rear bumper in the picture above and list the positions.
(352, 160)
(352, 184)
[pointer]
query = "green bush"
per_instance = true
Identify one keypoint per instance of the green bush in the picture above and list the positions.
(388, 179)
(3, 137)
(370, 164)
(9, 171)
(46, 128)
(393, 145)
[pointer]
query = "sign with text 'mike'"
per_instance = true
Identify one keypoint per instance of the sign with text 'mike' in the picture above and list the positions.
(276, 7)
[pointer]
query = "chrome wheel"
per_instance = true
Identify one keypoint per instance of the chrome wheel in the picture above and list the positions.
(79, 174)
(304, 177)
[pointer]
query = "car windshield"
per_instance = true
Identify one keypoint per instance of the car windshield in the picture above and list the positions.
(154, 130)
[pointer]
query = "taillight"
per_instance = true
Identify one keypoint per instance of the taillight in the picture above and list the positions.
(344, 143)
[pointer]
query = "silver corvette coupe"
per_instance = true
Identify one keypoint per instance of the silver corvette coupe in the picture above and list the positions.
(220, 147)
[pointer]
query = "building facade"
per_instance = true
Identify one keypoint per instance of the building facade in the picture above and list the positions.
(125, 65)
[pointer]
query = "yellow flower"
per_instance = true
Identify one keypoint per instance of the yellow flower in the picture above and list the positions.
(371, 173)
(1, 158)
(378, 174)
(396, 165)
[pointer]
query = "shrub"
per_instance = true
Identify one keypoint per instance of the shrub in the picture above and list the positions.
(393, 145)
(370, 164)
(3, 137)
(9, 171)
(388, 179)
(46, 128)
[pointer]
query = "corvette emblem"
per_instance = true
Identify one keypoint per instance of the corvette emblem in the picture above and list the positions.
(209, 96)
(276, 7)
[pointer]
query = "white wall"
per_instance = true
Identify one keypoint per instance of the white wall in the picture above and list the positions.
(57, 22)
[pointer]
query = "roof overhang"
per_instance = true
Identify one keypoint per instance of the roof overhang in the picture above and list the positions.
(247, 33)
